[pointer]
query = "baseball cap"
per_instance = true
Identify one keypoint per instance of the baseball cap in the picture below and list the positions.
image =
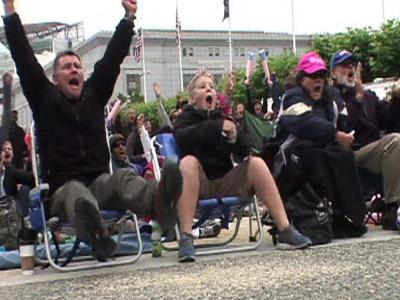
(311, 62)
(341, 56)
(116, 138)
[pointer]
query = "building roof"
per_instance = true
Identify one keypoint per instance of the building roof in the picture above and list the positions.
(43, 29)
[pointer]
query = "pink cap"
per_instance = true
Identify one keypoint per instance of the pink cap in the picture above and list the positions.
(311, 62)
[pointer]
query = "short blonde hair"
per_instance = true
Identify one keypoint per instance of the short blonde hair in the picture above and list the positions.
(192, 84)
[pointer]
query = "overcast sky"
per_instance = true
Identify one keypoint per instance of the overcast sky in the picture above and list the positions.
(311, 16)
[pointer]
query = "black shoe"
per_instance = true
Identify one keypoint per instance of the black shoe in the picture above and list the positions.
(91, 229)
(168, 192)
(389, 217)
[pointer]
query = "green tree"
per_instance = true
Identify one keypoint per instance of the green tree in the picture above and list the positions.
(386, 59)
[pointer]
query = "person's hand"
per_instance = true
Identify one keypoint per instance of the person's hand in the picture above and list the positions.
(7, 2)
(8, 7)
(345, 139)
(7, 79)
(247, 82)
(229, 130)
(140, 121)
(129, 5)
(157, 89)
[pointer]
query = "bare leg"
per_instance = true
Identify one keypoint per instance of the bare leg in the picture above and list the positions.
(266, 190)
(187, 202)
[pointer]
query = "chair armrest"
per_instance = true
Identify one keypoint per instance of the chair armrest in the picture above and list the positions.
(39, 193)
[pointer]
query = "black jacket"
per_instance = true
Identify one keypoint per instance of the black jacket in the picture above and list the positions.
(20, 150)
(368, 117)
(199, 133)
(13, 177)
(71, 134)
(311, 120)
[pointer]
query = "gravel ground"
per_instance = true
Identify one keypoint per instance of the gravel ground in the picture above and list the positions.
(367, 270)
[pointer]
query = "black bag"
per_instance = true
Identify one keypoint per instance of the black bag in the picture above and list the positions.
(10, 223)
(310, 214)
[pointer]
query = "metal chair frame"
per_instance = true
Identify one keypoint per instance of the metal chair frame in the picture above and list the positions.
(217, 247)
(38, 197)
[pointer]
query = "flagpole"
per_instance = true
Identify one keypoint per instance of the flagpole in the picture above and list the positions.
(293, 31)
(180, 66)
(230, 44)
(144, 68)
(178, 32)
(383, 11)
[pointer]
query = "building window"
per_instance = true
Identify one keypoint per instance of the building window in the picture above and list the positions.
(187, 78)
(241, 52)
(190, 51)
(236, 52)
(287, 49)
(133, 84)
(184, 51)
(213, 52)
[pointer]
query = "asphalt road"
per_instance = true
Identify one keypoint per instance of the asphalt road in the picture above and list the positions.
(365, 268)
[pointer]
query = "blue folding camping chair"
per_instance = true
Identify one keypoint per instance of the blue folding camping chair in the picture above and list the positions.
(226, 208)
(41, 223)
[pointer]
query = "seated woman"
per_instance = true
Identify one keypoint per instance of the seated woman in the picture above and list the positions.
(313, 115)
(207, 140)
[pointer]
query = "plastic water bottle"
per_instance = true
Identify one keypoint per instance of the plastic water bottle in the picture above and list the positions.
(156, 239)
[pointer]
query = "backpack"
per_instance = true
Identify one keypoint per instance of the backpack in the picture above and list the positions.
(310, 214)
(10, 223)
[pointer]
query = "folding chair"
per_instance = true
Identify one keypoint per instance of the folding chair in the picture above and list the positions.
(223, 208)
(40, 222)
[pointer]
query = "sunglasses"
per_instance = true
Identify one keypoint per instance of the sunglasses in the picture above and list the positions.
(117, 144)
(318, 75)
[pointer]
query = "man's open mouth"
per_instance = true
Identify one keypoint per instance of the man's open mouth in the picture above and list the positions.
(74, 82)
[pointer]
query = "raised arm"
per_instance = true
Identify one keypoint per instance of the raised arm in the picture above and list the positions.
(107, 69)
(9, 8)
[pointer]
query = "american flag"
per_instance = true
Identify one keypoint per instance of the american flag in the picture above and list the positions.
(137, 50)
(226, 10)
(178, 29)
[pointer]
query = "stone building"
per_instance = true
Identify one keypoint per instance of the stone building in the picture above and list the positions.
(200, 50)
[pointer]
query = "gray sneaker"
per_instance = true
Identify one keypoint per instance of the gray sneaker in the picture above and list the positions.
(187, 252)
(291, 239)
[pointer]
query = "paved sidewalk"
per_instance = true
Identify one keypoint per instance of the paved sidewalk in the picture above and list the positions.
(364, 268)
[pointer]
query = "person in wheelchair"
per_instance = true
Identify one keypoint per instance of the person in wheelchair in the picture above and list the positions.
(207, 140)
(370, 117)
(69, 120)
(312, 124)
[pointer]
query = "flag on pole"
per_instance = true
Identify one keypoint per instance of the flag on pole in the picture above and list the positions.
(226, 10)
(178, 28)
(137, 50)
